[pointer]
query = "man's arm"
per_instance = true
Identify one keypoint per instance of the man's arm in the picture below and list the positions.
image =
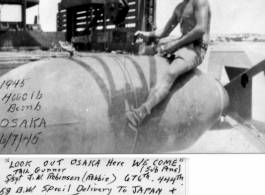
(202, 17)
(160, 33)
(170, 26)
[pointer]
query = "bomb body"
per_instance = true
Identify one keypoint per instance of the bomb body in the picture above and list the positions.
(84, 100)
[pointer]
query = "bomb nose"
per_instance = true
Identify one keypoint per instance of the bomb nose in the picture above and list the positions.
(226, 102)
(224, 99)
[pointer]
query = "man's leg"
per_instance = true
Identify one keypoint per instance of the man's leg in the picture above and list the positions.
(159, 92)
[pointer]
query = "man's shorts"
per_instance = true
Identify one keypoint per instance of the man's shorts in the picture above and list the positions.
(193, 55)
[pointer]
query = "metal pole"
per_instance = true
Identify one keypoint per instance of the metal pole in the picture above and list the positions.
(23, 11)
(104, 28)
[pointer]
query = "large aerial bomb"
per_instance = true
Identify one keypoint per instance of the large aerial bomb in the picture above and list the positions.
(78, 105)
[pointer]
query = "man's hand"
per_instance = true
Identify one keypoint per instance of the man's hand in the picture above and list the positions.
(167, 40)
(161, 50)
(166, 47)
(142, 36)
(171, 47)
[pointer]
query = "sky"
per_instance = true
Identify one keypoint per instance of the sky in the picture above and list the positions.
(228, 16)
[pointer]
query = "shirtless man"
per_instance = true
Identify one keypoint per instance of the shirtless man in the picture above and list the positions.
(188, 51)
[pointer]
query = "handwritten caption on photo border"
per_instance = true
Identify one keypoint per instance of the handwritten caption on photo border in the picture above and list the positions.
(94, 176)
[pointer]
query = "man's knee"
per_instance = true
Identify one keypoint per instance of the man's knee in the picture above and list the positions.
(167, 83)
(177, 68)
(169, 78)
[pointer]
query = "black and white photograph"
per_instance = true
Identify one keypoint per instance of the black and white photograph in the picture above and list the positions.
(132, 97)
(132, 76)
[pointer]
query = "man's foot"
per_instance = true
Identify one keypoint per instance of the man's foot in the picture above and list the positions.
(136, 116)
